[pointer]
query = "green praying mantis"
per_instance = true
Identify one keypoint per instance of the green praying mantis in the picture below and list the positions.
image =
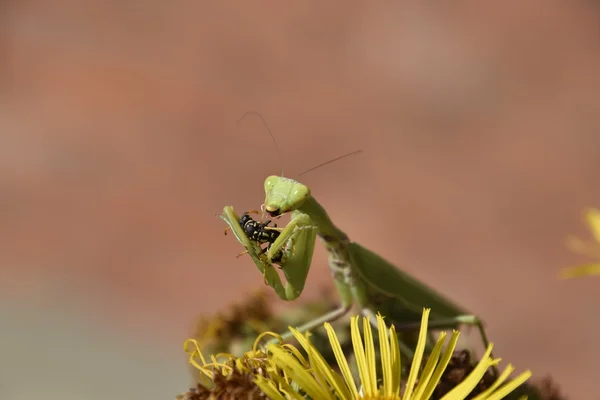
(362, 278)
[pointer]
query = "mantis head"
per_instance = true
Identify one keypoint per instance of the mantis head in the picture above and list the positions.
(283, 195)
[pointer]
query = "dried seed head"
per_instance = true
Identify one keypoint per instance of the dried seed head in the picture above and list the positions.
(236, 385)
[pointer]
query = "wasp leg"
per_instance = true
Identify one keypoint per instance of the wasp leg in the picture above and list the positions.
(241, 254)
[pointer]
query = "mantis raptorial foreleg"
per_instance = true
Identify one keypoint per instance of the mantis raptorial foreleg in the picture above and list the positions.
(300, 234)
(291, 248)
(317, 322)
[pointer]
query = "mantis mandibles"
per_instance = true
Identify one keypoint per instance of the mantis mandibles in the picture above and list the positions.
(362, 277)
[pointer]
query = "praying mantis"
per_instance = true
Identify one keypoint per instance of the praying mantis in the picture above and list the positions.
(362, 278)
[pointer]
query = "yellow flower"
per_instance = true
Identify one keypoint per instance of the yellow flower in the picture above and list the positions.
(318, 380)
(590, 249)
(226, 376)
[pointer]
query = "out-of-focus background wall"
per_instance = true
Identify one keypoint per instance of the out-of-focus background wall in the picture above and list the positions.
(480, 123)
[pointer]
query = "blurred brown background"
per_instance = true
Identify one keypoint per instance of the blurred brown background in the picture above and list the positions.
(118, 145)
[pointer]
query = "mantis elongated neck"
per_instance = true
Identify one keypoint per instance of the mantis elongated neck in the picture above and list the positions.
(327, 230)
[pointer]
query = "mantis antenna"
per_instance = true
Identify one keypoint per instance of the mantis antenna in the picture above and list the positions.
(270, 133)
(329, 162)
(253, 112)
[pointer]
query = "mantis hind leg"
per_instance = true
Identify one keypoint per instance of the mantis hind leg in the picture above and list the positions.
(347, 302)
(452, 322)
(329, 317)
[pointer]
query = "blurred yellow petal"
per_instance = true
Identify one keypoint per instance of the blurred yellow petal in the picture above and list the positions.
(262, 335)
(592, 218)
(585, 248)
(580, 270)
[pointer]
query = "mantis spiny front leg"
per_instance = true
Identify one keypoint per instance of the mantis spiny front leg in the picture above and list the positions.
(291, 249)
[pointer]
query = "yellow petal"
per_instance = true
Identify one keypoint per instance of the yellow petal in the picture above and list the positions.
(441, 366)
(292, 349)
(416, 361)
(205, 379)
(592, 217)
(580, 270)
(288, 391)
(386, 358)
(323, 371)
(503, 376)
(396, 362)
(195, 352)
(461, 390)
(318, 370)
(300, 375)
(585, 248)
(359, 353)
(262, 335)
(279, 378)
(268, 388)
(341, 360)
(429, 367)
(509, 387)
(370, 354)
